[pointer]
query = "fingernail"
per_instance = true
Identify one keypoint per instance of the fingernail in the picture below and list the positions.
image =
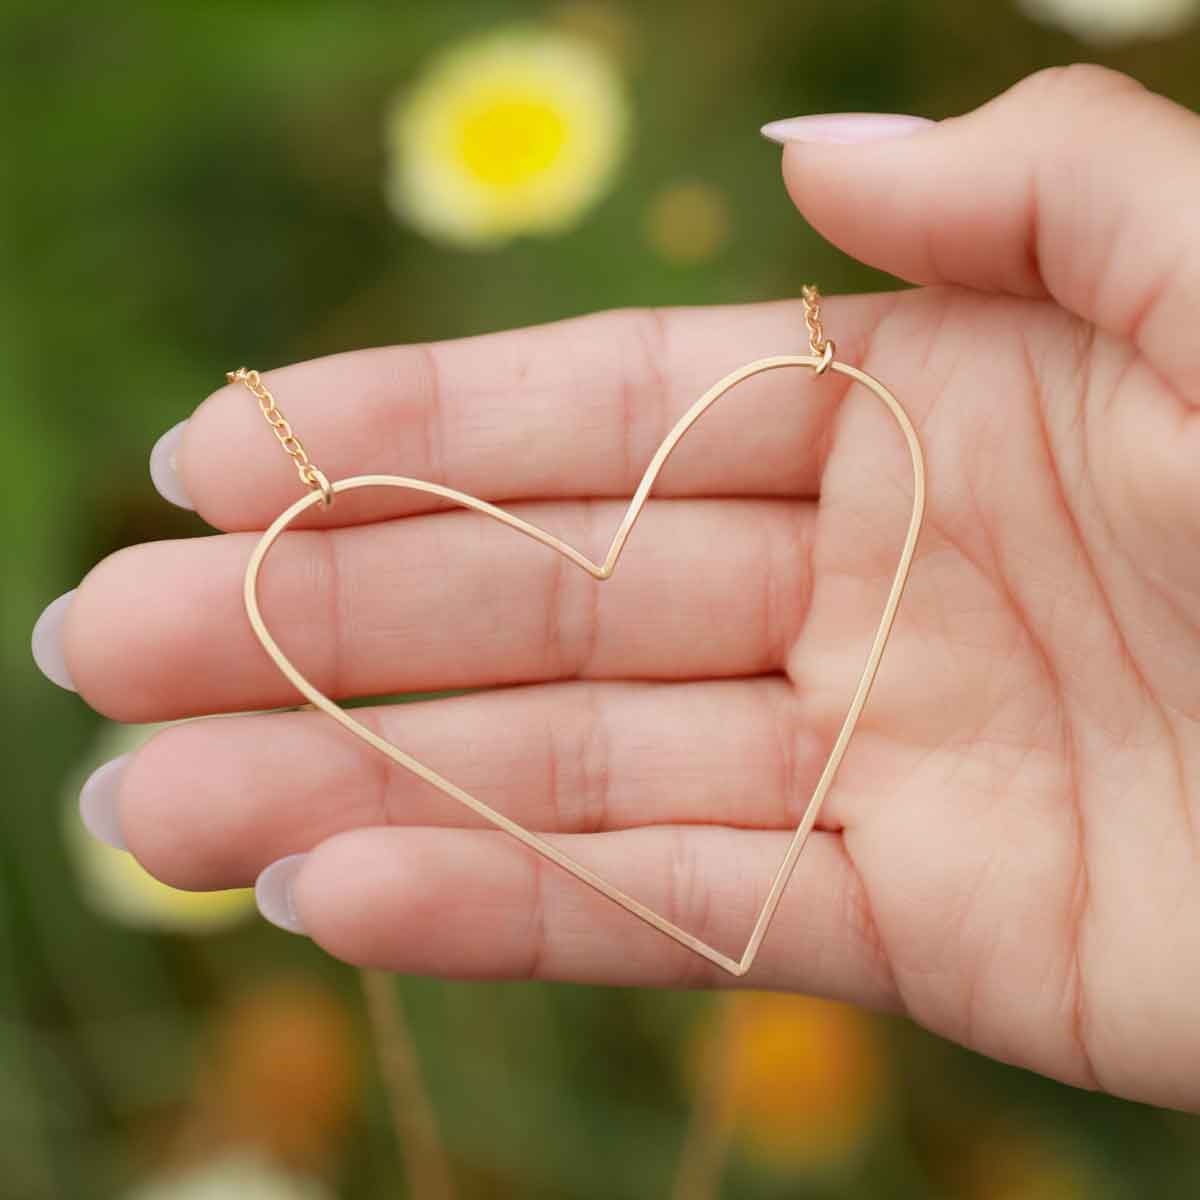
(98, 803)
(47, 642)
(846, 129)
(163, 471)
(273, 893)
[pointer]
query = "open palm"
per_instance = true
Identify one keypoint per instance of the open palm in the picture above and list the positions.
(1009, 853)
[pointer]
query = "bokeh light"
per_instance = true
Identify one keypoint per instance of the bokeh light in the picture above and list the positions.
(516, 132)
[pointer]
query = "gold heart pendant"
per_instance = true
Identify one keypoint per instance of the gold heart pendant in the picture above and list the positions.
(324, 492)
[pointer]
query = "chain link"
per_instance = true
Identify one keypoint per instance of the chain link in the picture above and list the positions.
(821, 346)
(817, 340)
(310, 475)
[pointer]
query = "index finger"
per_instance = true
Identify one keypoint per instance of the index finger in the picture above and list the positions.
(571, 409)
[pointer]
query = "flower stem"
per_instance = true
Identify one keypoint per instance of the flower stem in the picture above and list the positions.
(706, 1142)
(425, 1163)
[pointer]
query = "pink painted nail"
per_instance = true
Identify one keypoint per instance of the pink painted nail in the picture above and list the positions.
(164, 471)
(846, 129)
(273, 893)
(47, 642)
(98, 803)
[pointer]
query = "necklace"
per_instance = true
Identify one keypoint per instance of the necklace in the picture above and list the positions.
(320, 490)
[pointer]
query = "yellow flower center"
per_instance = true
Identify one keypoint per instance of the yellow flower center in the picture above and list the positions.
(508, 141)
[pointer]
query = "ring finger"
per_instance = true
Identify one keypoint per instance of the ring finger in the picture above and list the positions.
(447, 600)
(209, 804)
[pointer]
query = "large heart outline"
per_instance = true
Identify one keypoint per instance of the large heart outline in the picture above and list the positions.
(601, 571)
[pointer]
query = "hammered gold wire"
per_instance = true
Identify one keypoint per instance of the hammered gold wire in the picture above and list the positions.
(819, 361)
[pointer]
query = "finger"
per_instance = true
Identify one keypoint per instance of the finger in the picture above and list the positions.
(475, 904)
(571, 409)
(449, 600)
(1071, 184)
(208, 804)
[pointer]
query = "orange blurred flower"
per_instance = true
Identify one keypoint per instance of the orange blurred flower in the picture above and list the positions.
(799, 1082)
(283, 1076)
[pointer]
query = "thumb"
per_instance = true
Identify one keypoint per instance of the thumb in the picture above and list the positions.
(1077, 184)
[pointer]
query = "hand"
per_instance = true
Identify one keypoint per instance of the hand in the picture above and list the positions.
(1011, 852)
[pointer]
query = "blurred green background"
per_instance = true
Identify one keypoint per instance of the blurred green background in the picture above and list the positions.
(193, 185)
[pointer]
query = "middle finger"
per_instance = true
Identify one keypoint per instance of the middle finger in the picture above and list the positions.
(705, 589)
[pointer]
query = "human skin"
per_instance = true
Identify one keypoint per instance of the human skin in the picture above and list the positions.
(1009, 854)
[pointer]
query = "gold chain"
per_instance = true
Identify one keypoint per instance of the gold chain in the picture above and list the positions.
(821, 346)
(310, 474)
(811, 295)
